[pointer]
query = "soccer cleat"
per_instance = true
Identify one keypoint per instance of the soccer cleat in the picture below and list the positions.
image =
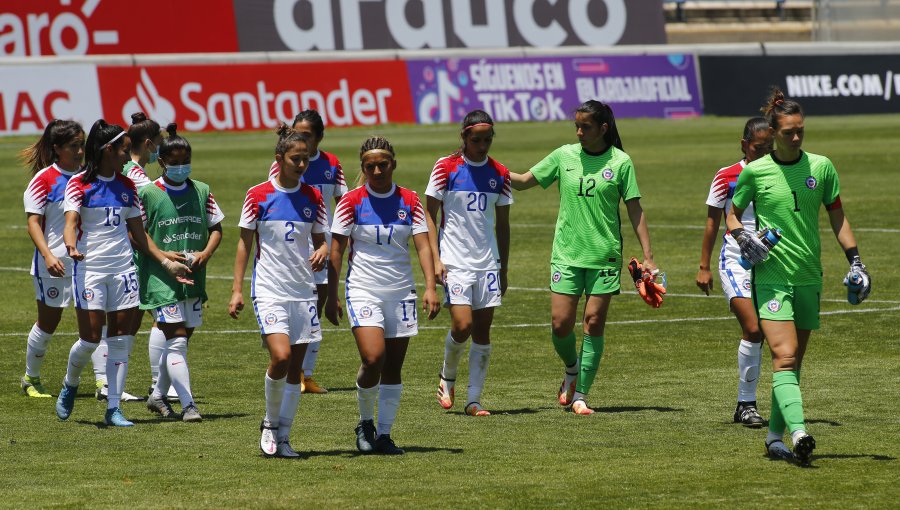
(267, 442)
(102, 390)
(191, 414)
(579, 407)
(285, 451)
(311, 386)
(114, 418)
(66, 401)
(385, 446)
(302, 384)
(475, 409)
(803, 449)
(32, 387)
(365, 436)
(102, 394)
(161, 407)
(776, 450)
(566, 392)
(446, 393)
(747, 415)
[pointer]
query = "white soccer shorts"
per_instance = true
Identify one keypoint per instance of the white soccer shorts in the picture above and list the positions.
(736, 281)
(190, 312)
(296, 319)
(53, 292)
(108, 292)
(398, 319)
(478, 289)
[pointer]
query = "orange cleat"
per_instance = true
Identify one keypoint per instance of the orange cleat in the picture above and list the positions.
(579, 407)
(475, 409)
(446, 393)
(309, 385)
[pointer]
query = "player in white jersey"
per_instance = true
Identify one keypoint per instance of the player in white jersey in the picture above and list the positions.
(325, 174)
(102, 208)
(53, 160)
(472, 191)
(756, 142)
(282, 214)
(380, 218)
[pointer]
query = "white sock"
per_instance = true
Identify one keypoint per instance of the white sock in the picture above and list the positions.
(452, 352)
(176, 365)
(79, 355)
(289, 405)
(312, 355)
(117, 368)
(38, 340)
(98, 359)
(388, 402)
(479, 358)
(572, 373)
(749, 359)
(796, 435)
(155, 348)
(365, 397)
(163, 381)
(274, 396)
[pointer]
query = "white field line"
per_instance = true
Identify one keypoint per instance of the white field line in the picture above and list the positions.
(504, 326)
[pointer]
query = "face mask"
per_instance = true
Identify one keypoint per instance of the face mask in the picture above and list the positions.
(178, 173)
(154, 155)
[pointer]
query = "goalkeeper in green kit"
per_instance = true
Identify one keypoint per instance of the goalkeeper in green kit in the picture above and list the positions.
(593, 176)
(787, 189)
(181, 216)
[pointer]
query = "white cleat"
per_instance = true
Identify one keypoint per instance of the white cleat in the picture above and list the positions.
(267, 442)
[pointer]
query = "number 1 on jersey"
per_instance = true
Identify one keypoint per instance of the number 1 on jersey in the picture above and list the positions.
(796, 204)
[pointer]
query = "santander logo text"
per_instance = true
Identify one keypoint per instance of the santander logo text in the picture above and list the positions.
(260, 96)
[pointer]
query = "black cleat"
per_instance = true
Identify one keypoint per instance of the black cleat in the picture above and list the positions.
(803, 450)
(747, 415)
(385, 446)
(365, 436)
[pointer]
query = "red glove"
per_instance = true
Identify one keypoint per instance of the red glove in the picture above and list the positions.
(645, 283)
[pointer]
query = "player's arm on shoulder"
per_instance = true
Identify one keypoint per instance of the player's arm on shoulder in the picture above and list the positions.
(522, 181)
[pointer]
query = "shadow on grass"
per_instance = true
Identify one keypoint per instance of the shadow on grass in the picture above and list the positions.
(827, 422)
(855, 456)
(159, 419)
(637, 409)
(339, 390)
(355, 453)
(510, 412)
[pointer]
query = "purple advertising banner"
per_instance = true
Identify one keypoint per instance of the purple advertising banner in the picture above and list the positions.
(550, 88)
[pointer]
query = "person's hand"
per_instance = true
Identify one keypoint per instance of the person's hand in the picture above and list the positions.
(318, 259)
(858, 282)
(236, 304)
(431, 304)
(752, 248)
(200, 259)
(645, 283)
(334, 312)
(74, 253)
(440, 272)
(178, 270)
(55, 266)
(704, 280)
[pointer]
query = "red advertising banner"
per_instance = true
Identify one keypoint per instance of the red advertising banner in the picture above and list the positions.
(105, 27)
(258, 96)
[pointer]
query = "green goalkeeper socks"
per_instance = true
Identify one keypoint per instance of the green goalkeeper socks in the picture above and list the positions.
(788, 400)
(776, 420)
(591, 352)
(565, 347)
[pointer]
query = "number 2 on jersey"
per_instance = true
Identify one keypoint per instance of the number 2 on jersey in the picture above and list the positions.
(287, 235)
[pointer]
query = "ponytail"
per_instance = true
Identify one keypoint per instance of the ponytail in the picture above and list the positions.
(101, 136)
(778, 106)
(472, 119)
(602, 113)
(41, 154)
(174, 142)
(141, 130)
(288, 137)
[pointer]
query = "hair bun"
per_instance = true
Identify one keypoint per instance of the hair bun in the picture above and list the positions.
(172, 129)
(138, 117)
(283, 130)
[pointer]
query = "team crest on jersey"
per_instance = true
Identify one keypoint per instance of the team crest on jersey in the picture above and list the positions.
(557, 276)
(271, 318)
(328, 174)
(608, 174)
(492, 183)
(52, 292)
(811, 182)
(307, 212)
(401, 214)
(365, 312)
(747, 285)
(172, 309)
(456, 289)
(125, 197)
(88, 294)
(774, 305)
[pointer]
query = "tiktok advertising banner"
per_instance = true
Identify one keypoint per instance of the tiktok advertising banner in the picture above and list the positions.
(541, 89)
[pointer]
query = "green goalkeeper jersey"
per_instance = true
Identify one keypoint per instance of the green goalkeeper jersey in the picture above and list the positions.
(789, 196)
(177, 222)
(588, 228)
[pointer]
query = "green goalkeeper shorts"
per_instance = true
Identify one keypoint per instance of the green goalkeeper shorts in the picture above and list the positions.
(581, 280)
(789, 303)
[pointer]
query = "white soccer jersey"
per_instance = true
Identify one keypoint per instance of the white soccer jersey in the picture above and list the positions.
(104, 205)
(214, 214)
(283, 220)
(379, 227)
(720, 195)
(137, 175)
(470, 193)
(45, 195)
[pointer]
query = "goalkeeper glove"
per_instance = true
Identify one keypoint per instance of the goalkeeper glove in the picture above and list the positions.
(645, 283)
(755, 246)
(858, 282)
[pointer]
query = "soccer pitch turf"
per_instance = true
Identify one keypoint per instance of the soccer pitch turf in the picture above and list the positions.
(665, 390)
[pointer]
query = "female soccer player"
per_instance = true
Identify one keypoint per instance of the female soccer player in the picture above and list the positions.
(282, 214)
(325, 174)
(755, 143)
(102, 207)
(593, 176)
(181, 215)
(472, 191)
(787, 188)
(53, 160)
(380, 217)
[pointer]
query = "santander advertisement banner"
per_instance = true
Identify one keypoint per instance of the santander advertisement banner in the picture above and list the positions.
(258, 96)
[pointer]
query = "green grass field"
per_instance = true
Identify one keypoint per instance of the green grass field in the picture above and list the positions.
(665, 390)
